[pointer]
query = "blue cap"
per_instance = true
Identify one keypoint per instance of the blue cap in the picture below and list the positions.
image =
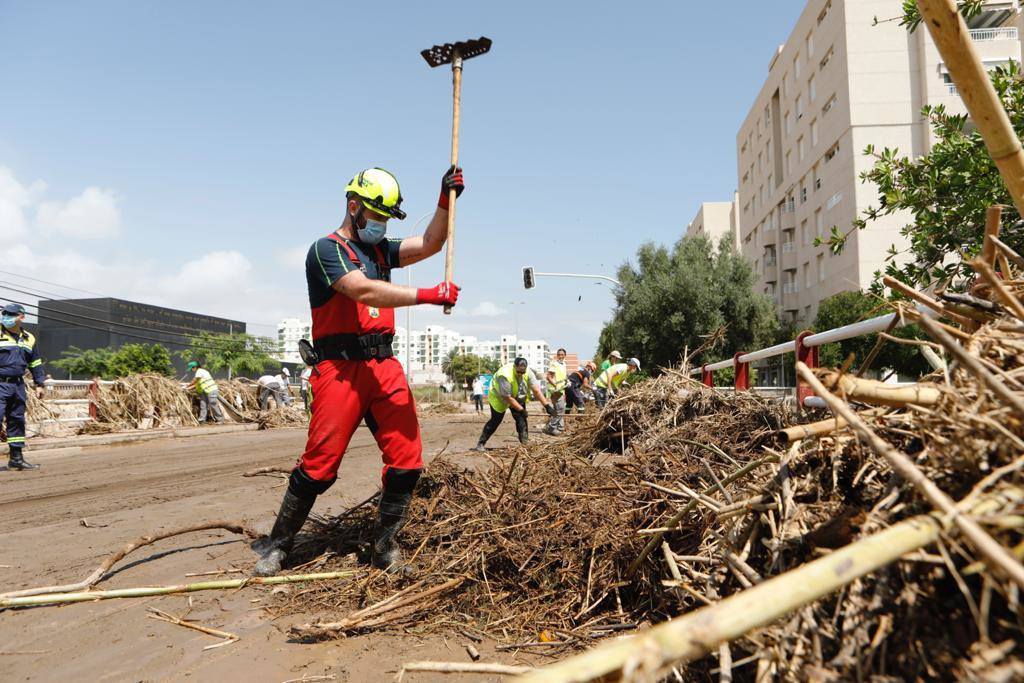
(14, 309)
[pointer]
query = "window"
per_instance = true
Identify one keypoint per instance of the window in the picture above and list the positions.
(817, 178)
(803, 192)
(800, 148)
(821, 267)
(809, 44)
(807, 275)
(833, 200)
(760, 159)
(746, 178)
(746, 207)
(788, 164)
(788, 124)
(769, 181)
(831, 102)
(767, 116)
(805, 236)
(825, 60)
(743, 147)
(796, 66)
(811, 89)
(832, 152)
(799, 108)
(823, 14)
(819, 224)
(814, 132)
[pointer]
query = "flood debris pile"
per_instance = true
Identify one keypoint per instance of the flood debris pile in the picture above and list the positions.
(542, 539)
(141, 401)
(678, 496)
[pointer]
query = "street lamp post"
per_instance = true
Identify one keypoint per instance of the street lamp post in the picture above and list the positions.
(529, 274)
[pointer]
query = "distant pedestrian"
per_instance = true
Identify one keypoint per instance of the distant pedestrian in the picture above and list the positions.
(207, 391)
(478, 394)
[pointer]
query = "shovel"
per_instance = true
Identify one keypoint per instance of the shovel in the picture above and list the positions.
(454, 54)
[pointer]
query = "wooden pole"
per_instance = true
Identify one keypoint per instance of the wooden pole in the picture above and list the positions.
(953, 39)
(449, 254)
(879, 393)
(651, 654)
(993, 215)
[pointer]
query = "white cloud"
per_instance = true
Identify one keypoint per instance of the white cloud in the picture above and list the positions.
(211, 274)
(487, 309)
(15, 198)
(91, 215)
(293, 258)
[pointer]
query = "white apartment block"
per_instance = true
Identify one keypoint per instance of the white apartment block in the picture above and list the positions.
(717, 219)
(838, 84)
(289, 332)
(427, 349)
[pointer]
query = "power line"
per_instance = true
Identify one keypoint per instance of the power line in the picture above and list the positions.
(208, 346)
(105, 296)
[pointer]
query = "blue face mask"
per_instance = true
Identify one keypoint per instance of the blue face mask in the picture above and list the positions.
(373, 232)
(8, 321)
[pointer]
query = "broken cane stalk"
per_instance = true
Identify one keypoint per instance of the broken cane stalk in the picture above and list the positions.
(880, 393)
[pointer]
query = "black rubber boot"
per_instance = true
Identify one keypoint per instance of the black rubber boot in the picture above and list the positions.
(298, 501)
(16, 461)
(394, 506)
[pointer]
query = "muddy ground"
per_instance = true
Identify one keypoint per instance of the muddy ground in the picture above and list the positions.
(126, 491)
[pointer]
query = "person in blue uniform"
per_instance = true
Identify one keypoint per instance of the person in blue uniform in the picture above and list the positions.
(17, 354)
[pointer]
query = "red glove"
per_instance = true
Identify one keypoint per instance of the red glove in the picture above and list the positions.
(452, 180)
(444, 294)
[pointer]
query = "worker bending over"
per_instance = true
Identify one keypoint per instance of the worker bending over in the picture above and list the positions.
(557, 379)
(575, 384)
(609, 381)
(275, 387)
(356, 376)
(509, 391)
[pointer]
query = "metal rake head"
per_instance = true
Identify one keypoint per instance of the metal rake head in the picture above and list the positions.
(443, 54)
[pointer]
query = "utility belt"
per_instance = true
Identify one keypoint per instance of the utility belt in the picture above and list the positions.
(12, 380)
(348, 347)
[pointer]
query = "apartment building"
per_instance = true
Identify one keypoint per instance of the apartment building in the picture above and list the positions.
(840, 82)
(289, 332)
(716, 219)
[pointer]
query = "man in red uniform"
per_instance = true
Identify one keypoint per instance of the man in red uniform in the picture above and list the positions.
(356, 376)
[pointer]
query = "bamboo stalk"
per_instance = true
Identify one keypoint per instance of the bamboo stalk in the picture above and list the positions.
(236, 527)
(227, 638)
(148, 591)
(466, 668)
(880, 393)
(811, 430)
(959, 53)
(653, 652)
(1008, 252)
(997, 555)
(993, 215)
(998, 288)
(974, 366)
(928, 301)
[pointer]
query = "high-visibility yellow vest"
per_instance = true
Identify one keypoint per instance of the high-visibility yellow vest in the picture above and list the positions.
(616, 373)
(497, 401)
(205, 384)
(558, 370)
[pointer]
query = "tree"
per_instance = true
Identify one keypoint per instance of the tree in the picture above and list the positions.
(945, 193)
(462, 367)
(110, 363)
(671, 298)
(85, 363)
(239, 353)
(850, 307)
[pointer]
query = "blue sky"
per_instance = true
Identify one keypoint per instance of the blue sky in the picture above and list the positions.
(187, 153)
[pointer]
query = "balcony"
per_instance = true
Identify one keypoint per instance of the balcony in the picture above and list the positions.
(951, 87)
(790, 287)
(984, 35)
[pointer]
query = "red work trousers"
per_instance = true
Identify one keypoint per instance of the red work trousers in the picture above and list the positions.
(344, 393)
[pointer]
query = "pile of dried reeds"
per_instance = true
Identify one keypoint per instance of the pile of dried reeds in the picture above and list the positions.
(141, 402)
(678, 496)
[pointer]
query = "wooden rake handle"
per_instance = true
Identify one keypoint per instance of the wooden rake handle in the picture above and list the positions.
(449, 254)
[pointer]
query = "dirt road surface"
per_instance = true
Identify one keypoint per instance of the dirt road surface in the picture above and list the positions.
(126, 491)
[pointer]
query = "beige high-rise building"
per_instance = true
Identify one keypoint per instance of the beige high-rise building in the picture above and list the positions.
(840, 82)
(716, 219)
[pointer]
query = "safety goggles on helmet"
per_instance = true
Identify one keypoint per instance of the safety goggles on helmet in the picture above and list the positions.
(378, 190)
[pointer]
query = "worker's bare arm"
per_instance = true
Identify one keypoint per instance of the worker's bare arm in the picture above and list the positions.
(356, 286)
(419, 247)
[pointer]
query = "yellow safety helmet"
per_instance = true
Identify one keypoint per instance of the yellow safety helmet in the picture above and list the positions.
(378, 190)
